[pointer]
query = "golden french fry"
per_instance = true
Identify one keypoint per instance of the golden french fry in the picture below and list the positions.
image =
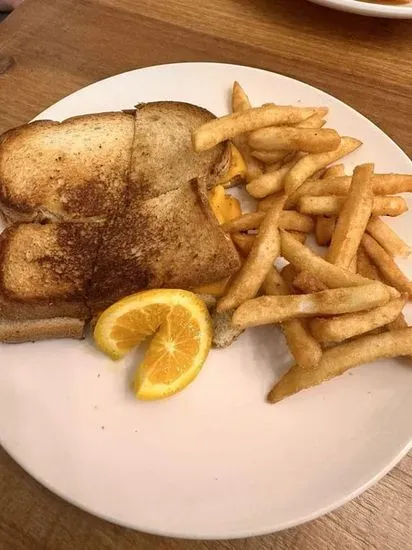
(307, 283)
(313, 122)
(388, 268)
(334, 171)
(337, 360)
(387, 238)
(265, 249)
(288, 273)
(227, 127)
(243, 242)
(295, 139)
(304, 348)
(337, 329)
(272, 181)
(246, 222)
(302, 345)
(274, 284)
(298, 235)
(289, 219)
(368, 269)
(266, 203)
(273, 166)
(275, 309)
(353, 218)
(398, 323)
(324, 228)
(333, 276)
(241, 103)
(365, 267)
(331, 205)
(353, 266)
(309, 164)
(240, 100)
(270, 157)
(382, 184)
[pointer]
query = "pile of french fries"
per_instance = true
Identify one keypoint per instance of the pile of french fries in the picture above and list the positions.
(336, 311)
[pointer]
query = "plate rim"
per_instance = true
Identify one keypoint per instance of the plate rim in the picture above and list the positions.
(374, 478)
(366, 9)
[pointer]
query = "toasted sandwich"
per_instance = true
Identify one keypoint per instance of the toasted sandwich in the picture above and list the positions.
(76, 170)
(172, 240)
(122, 205)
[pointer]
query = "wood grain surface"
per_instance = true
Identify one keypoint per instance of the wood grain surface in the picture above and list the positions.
(50, 48)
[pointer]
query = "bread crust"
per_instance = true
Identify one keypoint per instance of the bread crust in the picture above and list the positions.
(15, 332)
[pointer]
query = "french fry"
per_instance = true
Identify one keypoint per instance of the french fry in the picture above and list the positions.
(296, 139)
(266, 203)
(265, 249)
(353, 218)
(299, 236)
(240, 100)
(387, 238)
(275, 309)
(274, 283)
(289, 273)
(385, 264)
(398, 323)
(272, 181)
(382, 184)
(324, 228)
(246, 222)
(313, 122)
(309, 164)
(353, 266)
(241, 103)
(334, 171)
(337, 329)
(269, 157)
(365, 267)
(331, 205)
(307, 283)
(339, 359)
(302, 345)
(268, 183)
(289, 219)
(227, 127)
(331, 275)
(243, 242)
(273, 166)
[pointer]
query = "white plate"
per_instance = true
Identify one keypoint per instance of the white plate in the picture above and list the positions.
(215, 461)
(365, 8)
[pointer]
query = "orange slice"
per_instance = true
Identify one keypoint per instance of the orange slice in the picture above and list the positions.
(182, 330)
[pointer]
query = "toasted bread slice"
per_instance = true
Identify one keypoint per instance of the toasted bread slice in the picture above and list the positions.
(76, 170)
(163, 158)
(14, 332)
(172, 240)
(45, 269)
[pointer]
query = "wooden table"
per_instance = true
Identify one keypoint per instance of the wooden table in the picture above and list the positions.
(49, 48)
